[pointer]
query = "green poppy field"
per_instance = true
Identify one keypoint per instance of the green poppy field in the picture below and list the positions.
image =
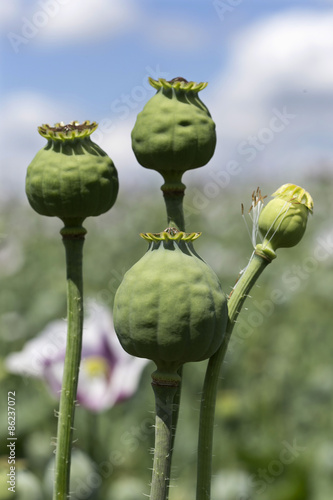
(274, 412)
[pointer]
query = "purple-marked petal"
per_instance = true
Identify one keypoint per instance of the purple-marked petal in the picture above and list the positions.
(39, 352)
(108, 375)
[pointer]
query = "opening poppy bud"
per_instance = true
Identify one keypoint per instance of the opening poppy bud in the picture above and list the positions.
(282, 222)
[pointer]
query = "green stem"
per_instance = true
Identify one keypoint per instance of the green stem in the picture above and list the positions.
(73, 239)
(175, 410)
(164, 391)
(207, 412)
(174, 206)
(173, 192)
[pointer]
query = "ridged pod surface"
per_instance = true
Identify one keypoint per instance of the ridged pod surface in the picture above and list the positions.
(174, 131)
(170, 307)
(71, 177)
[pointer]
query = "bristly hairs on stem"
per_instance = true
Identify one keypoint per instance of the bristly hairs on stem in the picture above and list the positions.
(254, 212)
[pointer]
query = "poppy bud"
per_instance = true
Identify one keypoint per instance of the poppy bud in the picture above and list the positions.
(282, 222)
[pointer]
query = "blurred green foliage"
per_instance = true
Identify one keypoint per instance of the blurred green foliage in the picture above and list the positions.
(275, 403)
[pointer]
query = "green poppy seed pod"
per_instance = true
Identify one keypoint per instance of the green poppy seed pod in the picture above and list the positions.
(71, 177)
(174, 132)
(170, 307)
(283, 220)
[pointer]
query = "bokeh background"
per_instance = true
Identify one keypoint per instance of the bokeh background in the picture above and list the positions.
(270, 92)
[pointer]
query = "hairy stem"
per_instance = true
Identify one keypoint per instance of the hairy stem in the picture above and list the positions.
(207, 412)
(164, 392)
(73, 239)
(175, 410)
(173, 196)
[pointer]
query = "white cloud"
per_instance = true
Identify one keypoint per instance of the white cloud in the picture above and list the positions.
(84, 19)
(280, 63)
(286, 50)
(62, 22)
(8, 12)
(59, 22)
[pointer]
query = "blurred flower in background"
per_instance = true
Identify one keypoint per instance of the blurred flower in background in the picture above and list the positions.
(108, 375)
(231, 484)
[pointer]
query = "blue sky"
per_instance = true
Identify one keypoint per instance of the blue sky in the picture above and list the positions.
(268, 64)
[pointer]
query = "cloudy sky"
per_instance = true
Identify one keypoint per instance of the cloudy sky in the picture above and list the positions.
(268, 64)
